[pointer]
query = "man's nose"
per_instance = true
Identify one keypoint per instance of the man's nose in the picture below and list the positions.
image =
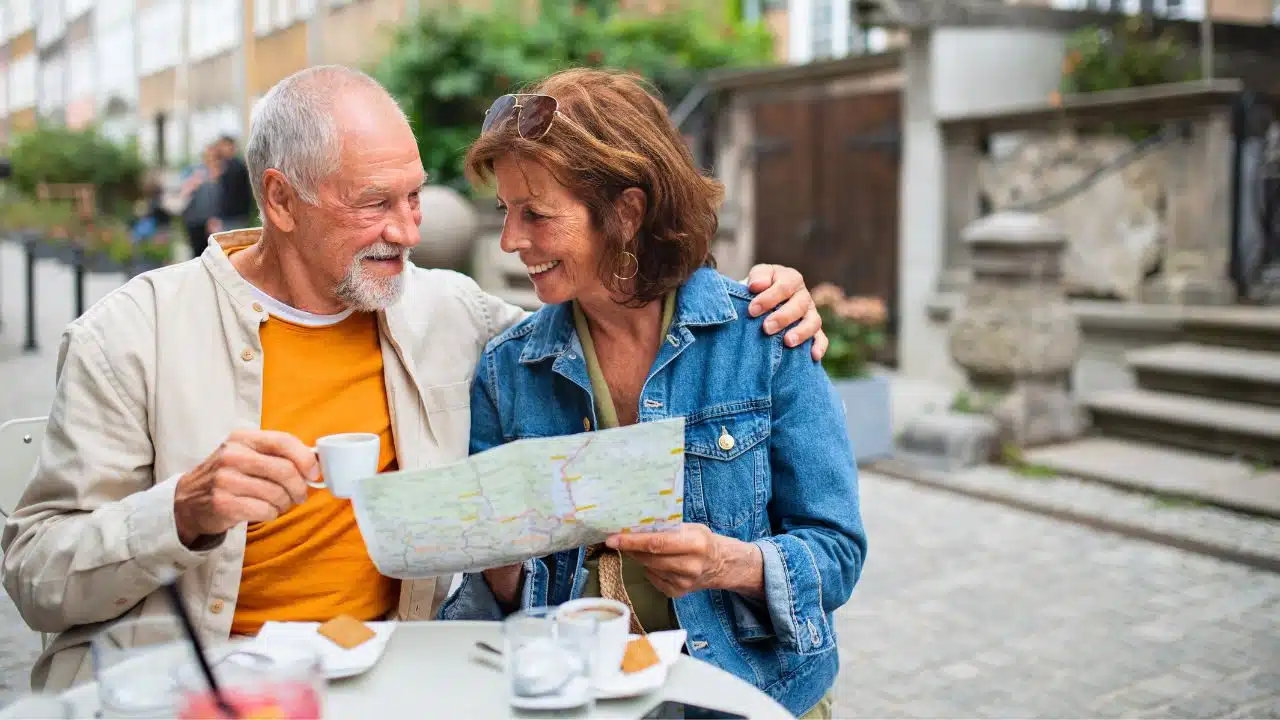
(402, 229)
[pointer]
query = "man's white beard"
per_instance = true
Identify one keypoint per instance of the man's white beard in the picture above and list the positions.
(364, 293)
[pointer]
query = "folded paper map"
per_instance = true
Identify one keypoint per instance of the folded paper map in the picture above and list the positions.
(524, 499)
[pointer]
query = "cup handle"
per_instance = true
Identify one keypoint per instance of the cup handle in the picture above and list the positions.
(319, 484)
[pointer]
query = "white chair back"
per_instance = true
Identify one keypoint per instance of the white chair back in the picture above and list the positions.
(20, 442)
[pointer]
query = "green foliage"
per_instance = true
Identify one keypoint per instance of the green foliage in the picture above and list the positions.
(447, 67)
(55, 154)
(1129, 55)
(855, 328)
(1011, 456)
(974, 403)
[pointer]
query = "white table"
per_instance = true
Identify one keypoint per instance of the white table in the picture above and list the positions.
(432, 669)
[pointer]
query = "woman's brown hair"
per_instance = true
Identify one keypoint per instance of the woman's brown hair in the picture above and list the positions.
(618, 136)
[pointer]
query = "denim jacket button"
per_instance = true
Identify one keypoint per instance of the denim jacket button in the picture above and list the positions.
(726, 440)
(698, 644)
(586, 424)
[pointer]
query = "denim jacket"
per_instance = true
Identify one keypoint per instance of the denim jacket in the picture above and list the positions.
(787, 484)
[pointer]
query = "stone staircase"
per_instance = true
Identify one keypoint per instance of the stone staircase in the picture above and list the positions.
(1202, 422)
(1218, 391)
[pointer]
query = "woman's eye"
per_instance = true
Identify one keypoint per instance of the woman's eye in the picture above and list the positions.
(531, 215)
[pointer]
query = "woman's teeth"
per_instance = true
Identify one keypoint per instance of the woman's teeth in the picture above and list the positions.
(539, 269)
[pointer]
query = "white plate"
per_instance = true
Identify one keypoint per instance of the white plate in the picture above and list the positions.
(621, 685)
(338, 661)
(572, 696)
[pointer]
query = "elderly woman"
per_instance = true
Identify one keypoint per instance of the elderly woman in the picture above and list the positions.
(614, 223)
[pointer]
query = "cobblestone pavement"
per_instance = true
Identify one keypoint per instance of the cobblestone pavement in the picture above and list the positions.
(971, 609)
(966, 609)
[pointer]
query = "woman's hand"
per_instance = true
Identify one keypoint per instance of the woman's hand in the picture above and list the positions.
(783, 288)
(691, 558)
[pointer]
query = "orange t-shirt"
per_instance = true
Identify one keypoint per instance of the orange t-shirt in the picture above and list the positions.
(311, 563)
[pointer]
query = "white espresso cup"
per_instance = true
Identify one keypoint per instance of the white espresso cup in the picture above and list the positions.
(613, 630)
(345, 459)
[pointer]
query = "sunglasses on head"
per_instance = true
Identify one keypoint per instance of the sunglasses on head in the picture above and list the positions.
(533, 114)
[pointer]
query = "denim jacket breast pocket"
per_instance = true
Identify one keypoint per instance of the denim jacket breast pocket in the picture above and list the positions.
(727, 467)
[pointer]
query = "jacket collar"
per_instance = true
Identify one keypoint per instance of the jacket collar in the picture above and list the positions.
(218, 263)
(702, 301)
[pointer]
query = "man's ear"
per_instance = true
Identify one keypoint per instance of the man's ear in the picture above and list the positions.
(279, 201)
(632, 204)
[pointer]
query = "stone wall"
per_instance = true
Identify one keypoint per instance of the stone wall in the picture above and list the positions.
(1105, 191)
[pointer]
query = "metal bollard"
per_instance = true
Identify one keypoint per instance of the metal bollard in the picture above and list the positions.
(30, 345)
(79, 280)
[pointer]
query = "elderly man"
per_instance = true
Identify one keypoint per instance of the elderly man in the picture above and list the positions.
(315, 324)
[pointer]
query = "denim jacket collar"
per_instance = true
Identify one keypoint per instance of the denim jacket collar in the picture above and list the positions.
(702, 301)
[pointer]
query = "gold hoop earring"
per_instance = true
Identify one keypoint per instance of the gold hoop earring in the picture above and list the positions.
(635, 262)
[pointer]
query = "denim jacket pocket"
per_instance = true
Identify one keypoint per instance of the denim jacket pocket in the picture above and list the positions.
(726, 464)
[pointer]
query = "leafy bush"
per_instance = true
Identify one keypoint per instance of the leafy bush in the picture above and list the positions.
(1129, 55)
(55, 154)
(855, 327)
(447, 67)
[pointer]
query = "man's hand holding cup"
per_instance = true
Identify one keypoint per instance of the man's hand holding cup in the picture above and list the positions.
(254, 476)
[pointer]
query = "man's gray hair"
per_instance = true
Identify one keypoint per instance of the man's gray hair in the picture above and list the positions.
(293, 129)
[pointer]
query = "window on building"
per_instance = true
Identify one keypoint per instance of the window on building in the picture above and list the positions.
(80, 71)
(21, 16)
(159, 37)
(114, 53)
(22, 83)
(52, 96)
(211, 28)
(75, 8)
(109, 13)
(51, 23)
(823, 12)
(272, 15)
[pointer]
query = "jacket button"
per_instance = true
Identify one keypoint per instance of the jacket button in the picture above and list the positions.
(586, 423)
(246, 355)
(726, 440)
(216, 607)
(257, 307)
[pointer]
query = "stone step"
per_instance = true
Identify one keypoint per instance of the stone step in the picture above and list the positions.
(1227, 373)
(1255, 328)
(1222, 427)
(1167, 471)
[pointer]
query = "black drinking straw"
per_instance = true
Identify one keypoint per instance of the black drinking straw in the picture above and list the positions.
(181, 609)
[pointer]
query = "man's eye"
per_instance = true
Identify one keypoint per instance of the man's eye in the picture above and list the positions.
(531, 215)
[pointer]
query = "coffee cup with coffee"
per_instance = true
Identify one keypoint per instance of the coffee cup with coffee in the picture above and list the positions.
(613, 630)
(345, 459)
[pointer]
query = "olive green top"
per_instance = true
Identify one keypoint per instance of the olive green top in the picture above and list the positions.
(652, 608)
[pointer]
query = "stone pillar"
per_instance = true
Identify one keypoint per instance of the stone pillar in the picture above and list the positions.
(1198, 247)
(961, 160)
(449, 226)
(1015, 335)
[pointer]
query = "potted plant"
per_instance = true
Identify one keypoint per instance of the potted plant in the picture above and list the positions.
(110, 249)
(855, 327)
(151, 254)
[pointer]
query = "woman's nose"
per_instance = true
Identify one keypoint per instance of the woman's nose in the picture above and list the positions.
(513, 239)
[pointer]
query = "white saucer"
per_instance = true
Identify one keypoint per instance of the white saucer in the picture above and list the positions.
(338, 661)
(573, 695)
(621, 685)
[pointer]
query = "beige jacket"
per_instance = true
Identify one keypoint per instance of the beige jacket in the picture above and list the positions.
(150, 380)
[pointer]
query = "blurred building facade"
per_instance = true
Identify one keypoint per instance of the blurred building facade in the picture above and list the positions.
(174, 73)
